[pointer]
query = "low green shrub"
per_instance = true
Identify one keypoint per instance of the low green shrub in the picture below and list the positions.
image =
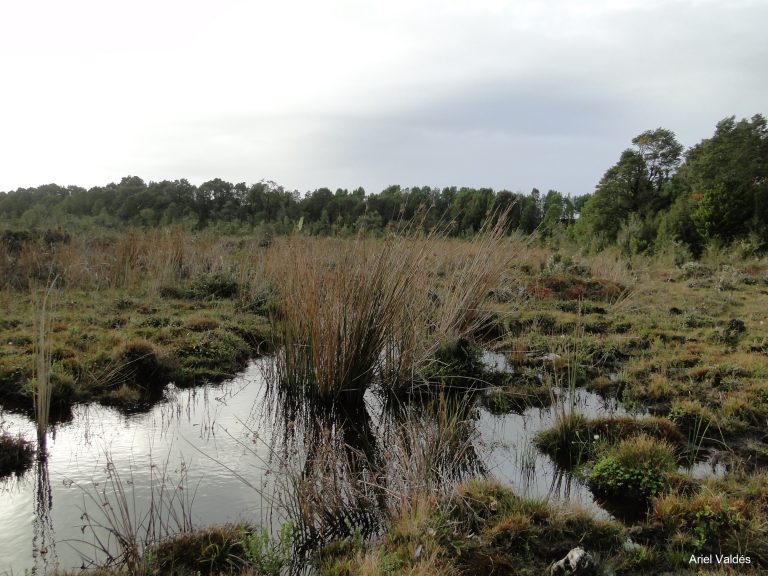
(635, 468)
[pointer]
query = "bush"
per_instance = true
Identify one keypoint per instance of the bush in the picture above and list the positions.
(636, 468)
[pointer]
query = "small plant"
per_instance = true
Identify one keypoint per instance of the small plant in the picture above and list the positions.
(707, 519)
(268, 556)
(636, 468)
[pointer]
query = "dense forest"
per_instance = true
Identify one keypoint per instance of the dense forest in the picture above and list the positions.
(656, 193)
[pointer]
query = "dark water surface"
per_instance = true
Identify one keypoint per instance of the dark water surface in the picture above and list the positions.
(219, 438)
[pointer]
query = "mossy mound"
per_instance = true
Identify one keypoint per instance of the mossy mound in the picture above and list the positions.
(213, 550)
(210, 356)
(16, 454)
(575, 439)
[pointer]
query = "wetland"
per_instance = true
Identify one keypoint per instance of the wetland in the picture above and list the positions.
(402, 405)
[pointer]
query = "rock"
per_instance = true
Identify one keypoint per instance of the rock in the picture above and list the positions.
(577, 562)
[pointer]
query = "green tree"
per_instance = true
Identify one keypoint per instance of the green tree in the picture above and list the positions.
(636, 184)
(662, 154)
(728, 177)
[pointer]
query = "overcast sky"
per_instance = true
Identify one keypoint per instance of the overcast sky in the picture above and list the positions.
(346, 93)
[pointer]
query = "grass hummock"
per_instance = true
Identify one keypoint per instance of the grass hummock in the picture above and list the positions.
(16, 454)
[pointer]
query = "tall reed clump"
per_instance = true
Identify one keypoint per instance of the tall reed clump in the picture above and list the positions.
(339, 301)
(353, 312)
(42, 371)
(477, 269)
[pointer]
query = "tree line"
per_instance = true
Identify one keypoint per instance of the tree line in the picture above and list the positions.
(238, 208)
(656, 193)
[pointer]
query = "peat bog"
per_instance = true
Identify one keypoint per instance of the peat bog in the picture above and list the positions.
(401, 405)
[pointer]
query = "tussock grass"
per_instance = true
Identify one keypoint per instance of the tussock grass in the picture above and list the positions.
(203, 265)
(575, 439)
(16, 453)
(724, 515)
(338, 305)
(362, 311)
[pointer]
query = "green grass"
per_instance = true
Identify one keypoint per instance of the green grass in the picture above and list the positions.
(635, 469)
(109, 347)
(574, 439)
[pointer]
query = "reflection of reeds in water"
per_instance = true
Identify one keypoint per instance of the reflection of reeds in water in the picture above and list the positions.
(432, 447)
(562, 482)
(42, 376)
(43, 542)
(338, 474)
(527, 463)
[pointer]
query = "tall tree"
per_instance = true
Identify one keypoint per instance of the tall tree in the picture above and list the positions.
(728, 176)
(635, 185)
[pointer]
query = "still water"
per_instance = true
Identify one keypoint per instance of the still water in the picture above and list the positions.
(216, 448)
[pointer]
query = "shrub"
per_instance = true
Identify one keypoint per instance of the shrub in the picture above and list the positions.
(636, 468)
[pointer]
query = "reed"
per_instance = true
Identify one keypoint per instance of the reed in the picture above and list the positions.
(357, 312)
(338, 304)
(131, 260)
(120, 530)
(42, 371)
(478, 267)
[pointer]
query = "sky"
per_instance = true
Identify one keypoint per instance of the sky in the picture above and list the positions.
(349, 93)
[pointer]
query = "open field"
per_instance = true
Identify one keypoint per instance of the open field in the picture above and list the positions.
(683, 346)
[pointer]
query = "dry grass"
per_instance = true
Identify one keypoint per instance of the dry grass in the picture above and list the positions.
(351, 313)
(148, 260)
(338, 303)
(43, 357)
(119, 530)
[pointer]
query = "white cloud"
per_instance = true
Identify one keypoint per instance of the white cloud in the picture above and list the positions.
(351, 93)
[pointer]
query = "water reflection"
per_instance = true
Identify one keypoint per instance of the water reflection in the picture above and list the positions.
(346, 469)
(43, 542)
(262, 458)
